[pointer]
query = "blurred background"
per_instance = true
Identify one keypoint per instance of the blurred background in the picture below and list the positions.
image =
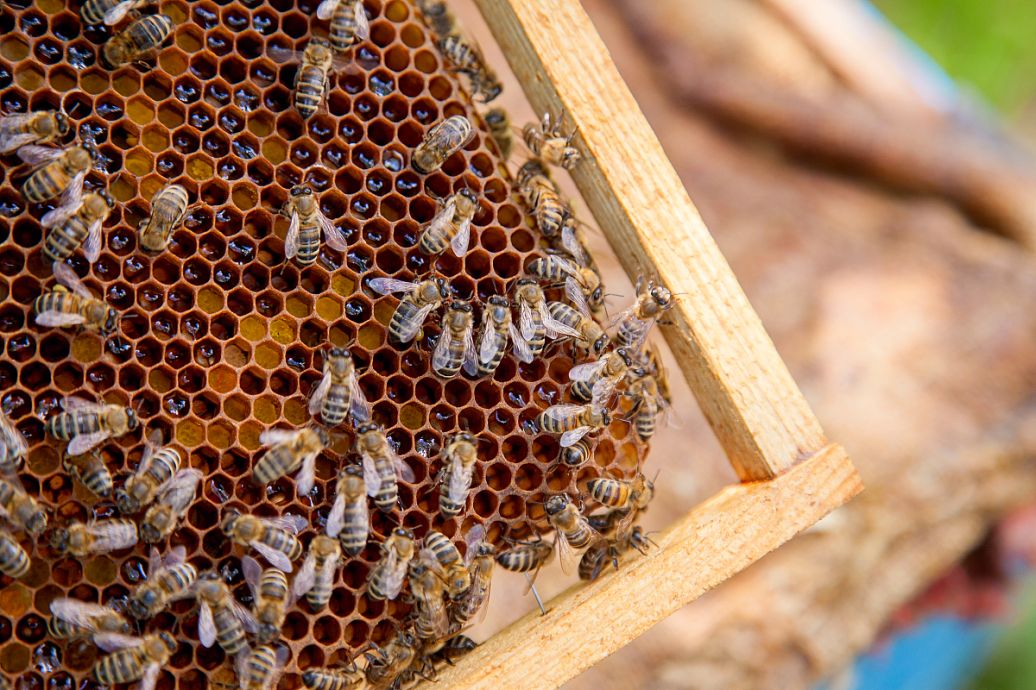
(867, 169)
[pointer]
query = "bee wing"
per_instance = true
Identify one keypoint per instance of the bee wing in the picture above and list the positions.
(273, 556)
(571, 437)
(558, 413)
(486, 344)
(335, 238)
(602, 390)
(74, 403)
(319, 394)
(12, 438)
(306, 475)
(571, 244)
(281, 54)
(386, 286)
(176, 556)
(363, 28)
(206, 625)
(370, 475)
(112, 537)
(67, 277)
(77, 612)
(115, 14)
(403, 470)
(291, 240)
(83, 443)
(150, 677)
(113, 642)
(92, 245)
(36, 155)
(60, 213)
(336, 518)
(74, 191)
(11, 142)
(520, 346)
(181, 490)
(441, 355)
(471, 539)
(252, 571)
(526, 325)
(326, 8)
(575, 295)
(460, 481)
(585, 372)
(460, 241)
(58, 319)
(244, 616)
(293, 524)
(556, 329)
(470, 361)
(272, 437)
(394, 580)
(568, 556)
(306, 578)
(410, 332)
(359, 408)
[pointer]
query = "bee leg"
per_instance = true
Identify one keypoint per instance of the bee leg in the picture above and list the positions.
(536, 596)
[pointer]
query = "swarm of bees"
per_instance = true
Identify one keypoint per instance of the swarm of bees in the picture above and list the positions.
(558, 303)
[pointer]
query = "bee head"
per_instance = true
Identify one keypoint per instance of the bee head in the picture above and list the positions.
(625, 355)
(570, 156)
(459, 585)
(132, 420)
(484, 548)
(229, 520)
(268, 632)
(36, 523)
(111, 322)
(499, 301)
(661, 295)
(149, 533)
(125, 501)
(465, 436)
(469, 195)
(600, 344)
(353, 471)
(337, 352)
(443, 286)
(492, 92)
(61, 120)
(59, 540)
(597, 295)
(555, 504)
(168, 641)
(140, 605)
(461, 305)
(402, 532)
(366, 428)
(606, 418)
(496, 116)
(325, 438)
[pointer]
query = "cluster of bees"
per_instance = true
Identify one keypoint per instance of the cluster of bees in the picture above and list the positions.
(448, 591)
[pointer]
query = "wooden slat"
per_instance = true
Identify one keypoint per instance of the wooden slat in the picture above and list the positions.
(743, 387)
(717, 539)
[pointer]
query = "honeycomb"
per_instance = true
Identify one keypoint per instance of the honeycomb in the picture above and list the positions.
(221, 337)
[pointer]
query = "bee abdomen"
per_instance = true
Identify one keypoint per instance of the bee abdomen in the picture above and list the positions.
(404, 313)
(273, 585)
(353, 536)
(65, 238)
(14, 562)
(99, 481)
(309, 244)
(580, 537)
(45, 183)
(149, 32)
(66, 425)
(592, 562)
(283, 542)
(343, 26)
(120, 667)
(521, 561)
(92, 12)
(608, 492)
(447, 506)
(275, 463)
(582, 390)
(230, 634)
(336, 405)
(309, 92)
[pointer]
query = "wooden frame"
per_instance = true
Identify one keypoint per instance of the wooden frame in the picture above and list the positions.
(793, 476)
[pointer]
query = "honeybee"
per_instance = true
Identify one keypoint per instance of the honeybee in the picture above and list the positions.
(576, 455)
(526, 557)
(470, 606)
(171, 505)
(573, 422)
(72, 618)
(23, 129)
(157, 467)
(595, 381)
(419, 301)
(169, 579)
(56, 171)
(386, 577)
(95, 537)
(573, 242)
(541, 194)
(594, 559)
(456, 345)
(439, 554)
(633, 324)
(348, 519)
(347, 678)
(221, 618)
(288, 451)
(495, 333)
(132, 658)
(140, 38)
(12, 447)
(109, 12)
(583, 286)
(440, 142)
(71, 304)
(21, 509)
(307, 225)
(14, 562)
(338, 394)
(500, 129)
(455, 647)
(431, 622)
(317, 575)
(574, 531)
(349, 23)
(653, 366)
(312, 81)
(535, 323)
(273, 538)
(438, 16)
(91, 471)
(467, 59)
(387, 665)
(631, 497)
(451, 226)
(591, 338)
(168, 208)
(272, 595)
(455, 476)
(258, 669)
(546, 142)
(381, 466)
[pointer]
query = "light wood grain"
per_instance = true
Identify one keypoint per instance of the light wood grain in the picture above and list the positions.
(717, 539)
(743, 387)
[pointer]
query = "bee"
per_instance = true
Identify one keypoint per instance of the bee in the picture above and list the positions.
(526, 557)
(307, 224)
(583, 286)
(386, 577)
(172, 503)
(74, 619)
(591, 338)
(221, 618)
(347, 678)
(419, 301)
(78, 223)
(439, 554)
(547, 143)
(272, 595)
(109, 12)
(168, 208)
(91, 471)
(631, 497)
(595, 381)
(455, 476)
(633, 324)
(574, 531)
(133, 658)
(289, 451)
(541, 194)
(140, 38)
(573, 242)
(157, 467)
(431, 622)
(71, 304)
(22, 129)
(470, 606)
(535, 323)
(451, 226)
(594, 559)
(348, 519)
(653, 366)
(648, 402)
(573, 422)
(387, 666)
(438, 16)
(381, 466)
(56, 171)
(495, 333)
(442, 141)
(455, 647)
(456, 345)
(312, 81)
(576, 455)
(500, 129)
(21, 509)
(317, 575)
(258, 669)
(467, 59)
(95, 537)
(169, 579)
(338, 394)
(273, 538)
(14, 562)
(348, 22)
(12, 447)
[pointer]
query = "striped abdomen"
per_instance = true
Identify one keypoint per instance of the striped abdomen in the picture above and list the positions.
(60, 300)
(167, 211)
(258, 668)
(164, 464)
(272, 607)
(487, 368)
(580, 535)
(309, 92)
(123, 666)
(277, 462)
(336, 405)
(582, 390)
(93, 11)
(230, 634)
(343, 25)
(549, 211)
(64, 239)
(405, 313)
(93, 473)
(68, 425)
(282, 541)
(539, 333)
(593, 561)
(331, 679)
(443, 549)
(14, 562)
(45, 183)
(630, 332)
(353, 536)
(609, 492)
(388, 492)
(647, 414)
(309, 242)
(320, 594)
(149, 33)
(457, 50)
(519, 560)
